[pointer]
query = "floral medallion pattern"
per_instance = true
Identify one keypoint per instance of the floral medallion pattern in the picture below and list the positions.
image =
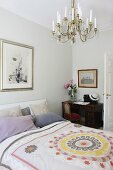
(87, 146)
(84, 143)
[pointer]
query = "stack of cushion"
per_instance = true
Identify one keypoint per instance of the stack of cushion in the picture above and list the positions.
(16, 120)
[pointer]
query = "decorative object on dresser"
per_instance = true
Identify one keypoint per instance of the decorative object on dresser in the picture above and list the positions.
(87, 78)
(16, 66)
(72, 89)
(92, 113)
(92, 98)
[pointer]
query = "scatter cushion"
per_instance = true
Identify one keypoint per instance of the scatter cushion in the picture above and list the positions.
(26, 111)
(46, 119)
(10, 126)
(13, 111)
(40, 108)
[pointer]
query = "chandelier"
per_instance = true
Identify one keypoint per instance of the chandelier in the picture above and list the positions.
(68, 28)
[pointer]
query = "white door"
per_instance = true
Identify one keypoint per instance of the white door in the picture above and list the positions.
(108, 93)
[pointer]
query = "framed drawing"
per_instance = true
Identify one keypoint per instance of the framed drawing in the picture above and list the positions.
(16, 66)
(87, 78)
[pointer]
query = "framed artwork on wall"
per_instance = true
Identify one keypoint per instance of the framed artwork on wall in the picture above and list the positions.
(87, 78)
(16, 66)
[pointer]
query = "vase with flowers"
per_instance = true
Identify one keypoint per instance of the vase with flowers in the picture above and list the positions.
(72, 89)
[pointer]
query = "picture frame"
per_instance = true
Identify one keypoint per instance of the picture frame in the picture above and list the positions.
(87, 78)
(16, 66)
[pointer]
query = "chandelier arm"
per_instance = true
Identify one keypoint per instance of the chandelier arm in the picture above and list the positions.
(86, 37)
(81, 37)
(56, 38)
(62, 36)
(83, 40)
(83, 33)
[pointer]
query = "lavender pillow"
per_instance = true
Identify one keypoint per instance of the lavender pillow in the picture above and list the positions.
(10, 126)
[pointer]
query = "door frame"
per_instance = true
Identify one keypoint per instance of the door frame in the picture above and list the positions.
(107, 98)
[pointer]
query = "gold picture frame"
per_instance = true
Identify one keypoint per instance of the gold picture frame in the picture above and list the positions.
(88, 78)
(16, 66)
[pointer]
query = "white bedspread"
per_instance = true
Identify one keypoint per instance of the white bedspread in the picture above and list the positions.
(59, 146)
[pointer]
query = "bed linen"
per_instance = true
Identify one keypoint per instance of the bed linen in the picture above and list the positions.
(59, 146)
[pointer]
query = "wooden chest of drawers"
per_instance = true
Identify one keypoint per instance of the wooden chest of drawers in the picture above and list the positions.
(92, 113)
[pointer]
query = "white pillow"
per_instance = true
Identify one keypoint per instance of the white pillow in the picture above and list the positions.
(13, 111)
(39, 108)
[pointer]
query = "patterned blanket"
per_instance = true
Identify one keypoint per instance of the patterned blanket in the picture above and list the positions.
(59, 146)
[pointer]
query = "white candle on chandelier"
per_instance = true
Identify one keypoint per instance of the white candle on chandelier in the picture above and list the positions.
(57, 17)
(95, 23)
(78, 7)
(87, 23)
(80, 13)
(53, 24)
(90, 15)
(73, 14)
(65, 12)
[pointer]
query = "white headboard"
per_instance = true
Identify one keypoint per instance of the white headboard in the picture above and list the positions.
(22, 104)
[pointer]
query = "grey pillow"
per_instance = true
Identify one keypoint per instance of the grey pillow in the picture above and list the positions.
(26, 111)
(46, 119)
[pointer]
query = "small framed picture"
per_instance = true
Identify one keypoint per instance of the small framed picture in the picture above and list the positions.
(16, 66)
(87, 78)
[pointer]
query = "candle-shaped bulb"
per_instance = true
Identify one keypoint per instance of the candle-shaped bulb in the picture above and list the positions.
(87, 23)
(73, 14)
(78, 8)
(57, 17)
(80, 13)
(53, 24)
(90, 15)
(95, 23)
(65, 12)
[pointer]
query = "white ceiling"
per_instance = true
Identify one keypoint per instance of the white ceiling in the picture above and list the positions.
(44, 11)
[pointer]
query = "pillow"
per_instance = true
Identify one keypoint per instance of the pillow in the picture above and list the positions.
(46, 119)
(10, 126)
(13, 111)
(26, 111)
(39, 108)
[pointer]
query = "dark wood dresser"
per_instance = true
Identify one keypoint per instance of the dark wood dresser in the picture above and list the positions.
(92, 113)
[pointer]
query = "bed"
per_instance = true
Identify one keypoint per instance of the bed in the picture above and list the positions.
(60, 145)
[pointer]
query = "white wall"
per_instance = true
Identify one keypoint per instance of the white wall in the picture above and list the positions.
(52, 61)
(90, 55)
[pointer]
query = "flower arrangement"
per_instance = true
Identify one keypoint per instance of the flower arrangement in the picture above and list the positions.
(72, 88)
